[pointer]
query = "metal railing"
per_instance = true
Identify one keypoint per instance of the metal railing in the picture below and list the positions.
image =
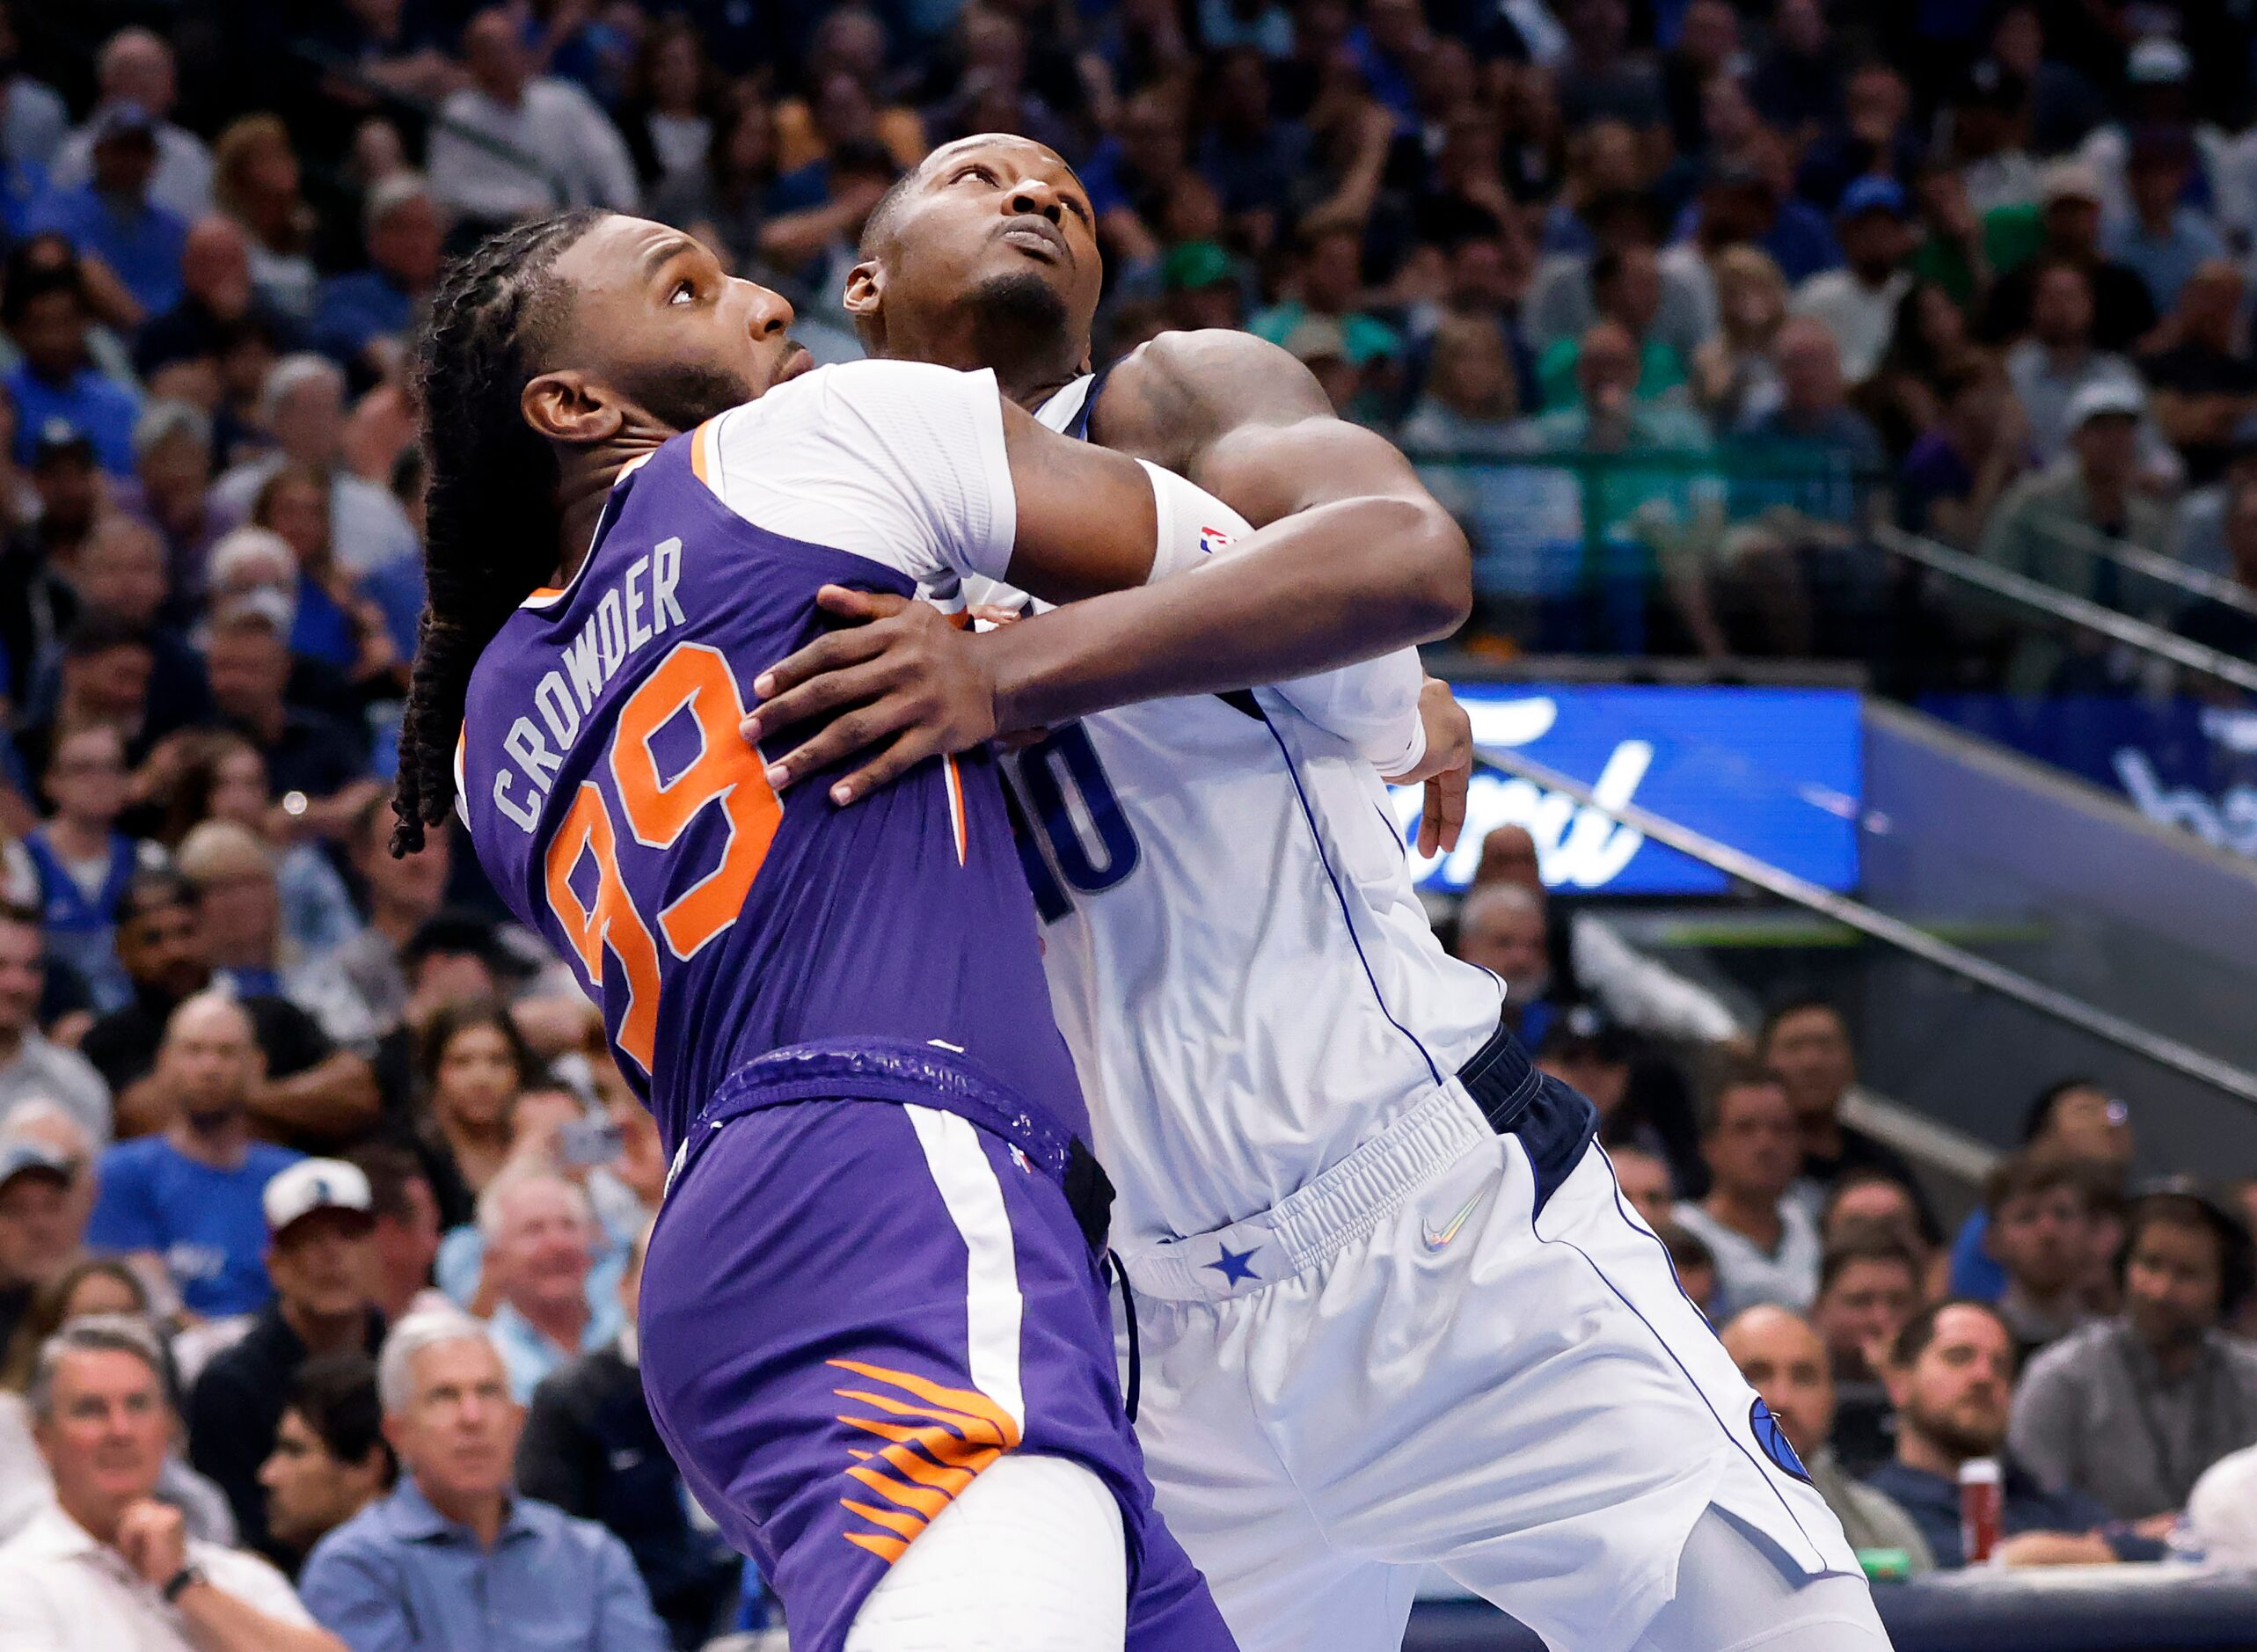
(2111, 1028)
(2078, 612)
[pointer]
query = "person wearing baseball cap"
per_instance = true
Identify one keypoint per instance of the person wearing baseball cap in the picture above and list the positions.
(1859, 302)
(112, 213)
(2070, 197)
(39, 1235)
(2044, 525)
(322, 1256)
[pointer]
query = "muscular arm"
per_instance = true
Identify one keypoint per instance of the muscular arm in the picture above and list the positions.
(334, 1099)
(1344, 567)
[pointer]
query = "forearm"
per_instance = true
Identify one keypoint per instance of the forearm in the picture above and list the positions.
(1321, 588)
(334, 1098)
(224, 1624)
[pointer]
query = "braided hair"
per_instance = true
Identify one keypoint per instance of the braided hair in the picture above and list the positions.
(491, 536)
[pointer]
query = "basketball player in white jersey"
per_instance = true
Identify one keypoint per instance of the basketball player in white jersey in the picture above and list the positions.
(1390, 1306)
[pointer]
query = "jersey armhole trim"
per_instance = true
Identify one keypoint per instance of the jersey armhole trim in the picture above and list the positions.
(462, 793)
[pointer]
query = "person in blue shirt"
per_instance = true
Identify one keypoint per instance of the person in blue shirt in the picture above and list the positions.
(456, 1556)
(404, 234)
(112, 216)
(56, 386)
(187, 1202)
(2074, 1118)
(1951, 1377)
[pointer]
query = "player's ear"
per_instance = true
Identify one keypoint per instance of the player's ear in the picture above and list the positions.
(866, 289)
(564, 407)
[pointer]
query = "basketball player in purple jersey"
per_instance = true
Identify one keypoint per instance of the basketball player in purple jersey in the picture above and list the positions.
(874, 1329)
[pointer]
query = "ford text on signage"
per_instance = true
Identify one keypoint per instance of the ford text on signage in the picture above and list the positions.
(1778, 773)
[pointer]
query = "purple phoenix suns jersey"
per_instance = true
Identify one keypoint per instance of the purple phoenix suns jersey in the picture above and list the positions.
(618, 809)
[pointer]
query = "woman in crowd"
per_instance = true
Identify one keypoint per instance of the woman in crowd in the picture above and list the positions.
(474, 1065)
(673, 103)
(256, 181)
(1734, 375)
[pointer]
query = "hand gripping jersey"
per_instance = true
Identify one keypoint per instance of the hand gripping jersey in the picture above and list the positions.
(1235, 951)
(618, 811)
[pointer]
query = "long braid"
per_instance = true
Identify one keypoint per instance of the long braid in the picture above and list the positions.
(491, 536)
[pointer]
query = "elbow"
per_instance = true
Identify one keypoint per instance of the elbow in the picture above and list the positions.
(1435, 570)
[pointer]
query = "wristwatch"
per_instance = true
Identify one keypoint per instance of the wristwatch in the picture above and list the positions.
(181, 1580)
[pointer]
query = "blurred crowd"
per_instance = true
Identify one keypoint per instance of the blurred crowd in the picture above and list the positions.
(321, 1204)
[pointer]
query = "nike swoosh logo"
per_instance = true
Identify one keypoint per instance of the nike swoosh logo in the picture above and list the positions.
(1436, 1241)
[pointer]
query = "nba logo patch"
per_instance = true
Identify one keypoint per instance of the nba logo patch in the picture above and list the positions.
(1211, 540)
(1773, 1439)
(1019, 1157)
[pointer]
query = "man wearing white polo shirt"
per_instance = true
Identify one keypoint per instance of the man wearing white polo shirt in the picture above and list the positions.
(108, 1565)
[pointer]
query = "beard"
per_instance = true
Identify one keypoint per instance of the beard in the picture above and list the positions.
(1963, 1430)
(1021, 313)
(684, 395)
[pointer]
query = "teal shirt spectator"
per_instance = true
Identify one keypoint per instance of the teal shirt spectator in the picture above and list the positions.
(399, 1576)
(1659, 370)
(206, 1224)
(1366, 338)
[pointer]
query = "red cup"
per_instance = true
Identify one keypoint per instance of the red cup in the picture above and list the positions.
(1982, 1508)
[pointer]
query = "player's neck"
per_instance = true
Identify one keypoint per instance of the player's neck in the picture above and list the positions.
(585, 478)
(1030, 367)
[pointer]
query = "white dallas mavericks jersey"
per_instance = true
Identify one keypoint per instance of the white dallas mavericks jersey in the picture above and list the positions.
(1234, 949)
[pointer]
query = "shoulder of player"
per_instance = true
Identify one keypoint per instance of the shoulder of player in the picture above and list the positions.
(809, 405)
(1180, 391)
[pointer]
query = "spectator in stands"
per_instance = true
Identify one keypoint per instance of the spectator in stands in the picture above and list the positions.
(321, 1255)
(172, 444)
(2059, 362)
(2040, 1211)
(474, 1063)
(1786, 1364)
(56, 388)
(216, 293)
(2074, 1118)
(313, 752)
(41, 1226)
(455, 1552)
(238, 900)
(2119, 311)
(1326, 284)
(541, 1234)
(2131, 1410)
(406, 1228)
(1806, 1041)
(565, 152)
(1765, 1243)
(134, 68)
(360, 314)
(1814, 418)
(83, 862)
(256, 181)
(302, 402)
(1626, 290)
(1875, 1202)
(303, 1085)
(2163, 240)
(1858, 302)
(1500, 928)
(591, 1449)
(1868, 1286)
(403, 893)
(1736, 372)
(1644, 1179)
(330, 1459)
(2045, 527)
(2230, 630)
(32, 1067)
(185, 1203)
(2203, 381)
(1951, 1373)
(112, 215)
(108, 1564)
(1956, 471)
(94, 1286)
